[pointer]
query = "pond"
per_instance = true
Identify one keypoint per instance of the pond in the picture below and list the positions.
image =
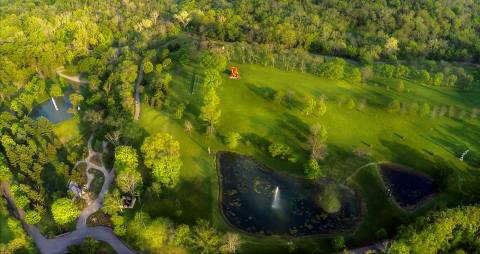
(257, 200)
(408, 188)
(47, 109)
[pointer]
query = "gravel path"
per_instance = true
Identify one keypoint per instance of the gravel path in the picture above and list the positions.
(137, 91)
(75, 78)
(109, 176)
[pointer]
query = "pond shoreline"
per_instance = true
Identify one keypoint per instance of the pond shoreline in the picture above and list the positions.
(267, 169)
(420, 175)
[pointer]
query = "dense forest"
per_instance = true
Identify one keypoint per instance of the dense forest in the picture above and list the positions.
(356, 29)
(128, 52)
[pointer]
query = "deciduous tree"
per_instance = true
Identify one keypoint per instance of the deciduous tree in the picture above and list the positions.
(161, 154)
(64, 211)
(232, 139)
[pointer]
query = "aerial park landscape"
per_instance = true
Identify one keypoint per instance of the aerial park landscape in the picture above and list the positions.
(239, 126)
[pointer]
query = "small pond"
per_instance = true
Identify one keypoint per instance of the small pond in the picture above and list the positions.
(408, 188)
(47, 109)
(258, 200)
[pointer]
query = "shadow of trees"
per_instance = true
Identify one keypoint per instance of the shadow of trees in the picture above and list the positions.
(264, 92)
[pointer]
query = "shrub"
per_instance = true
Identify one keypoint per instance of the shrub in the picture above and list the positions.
(119, 226)
(413, 109)
(279, 150)
(329, 200)
(64, 211)
(333, 69)
(147, 67)
(338, 243)
(351, 104)
(279, 97)
(381, 234)
(400, 86)
(182, 235)
(425, 109)
(232, 139)
(394, 106)
(312, 169)
(179, 111)
(32, 217)
(356, 76)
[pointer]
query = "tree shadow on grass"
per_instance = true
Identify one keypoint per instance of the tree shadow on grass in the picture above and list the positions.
(133, 134)
(341, 163)
(446, 175)
(183, 203)
(469, 133)
(256, 140)
(297, 123)
(291, 124)
(190, 200)
(414, 158)
(264, 92)
(458, 141)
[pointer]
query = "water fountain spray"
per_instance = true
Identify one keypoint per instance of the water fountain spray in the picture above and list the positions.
(54, 103)
(276, 198)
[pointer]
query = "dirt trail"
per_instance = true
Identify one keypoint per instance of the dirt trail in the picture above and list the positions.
(75, 78)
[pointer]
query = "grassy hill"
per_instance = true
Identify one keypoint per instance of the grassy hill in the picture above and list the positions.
(425, 144)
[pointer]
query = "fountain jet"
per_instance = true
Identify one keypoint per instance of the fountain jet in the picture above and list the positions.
(276, 198)
(54, 103)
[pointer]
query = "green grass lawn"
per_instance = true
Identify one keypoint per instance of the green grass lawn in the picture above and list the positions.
(428, 145)
(68, 129)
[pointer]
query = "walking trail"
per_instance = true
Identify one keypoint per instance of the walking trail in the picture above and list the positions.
(375, 247)
(137, 91)
(60, 243)
(360, 168)
(75, 78)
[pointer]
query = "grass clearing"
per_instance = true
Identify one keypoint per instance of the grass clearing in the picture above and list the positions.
(68, 129)
(425, 144)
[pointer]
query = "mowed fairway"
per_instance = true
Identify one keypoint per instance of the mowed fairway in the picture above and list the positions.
(425, 144)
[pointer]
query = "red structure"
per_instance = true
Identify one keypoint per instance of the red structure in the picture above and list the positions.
(234, 74)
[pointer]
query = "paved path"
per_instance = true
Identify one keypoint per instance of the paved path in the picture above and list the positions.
(360, 168)
(375, 247)
(60, 243)
(109, 176)
(75, 78)
(137, 91)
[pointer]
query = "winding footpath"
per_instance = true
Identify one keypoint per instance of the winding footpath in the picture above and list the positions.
(60, 243)
(109, 176)
(360, 168)
(137, 91)
(75, 78)
(375, 247)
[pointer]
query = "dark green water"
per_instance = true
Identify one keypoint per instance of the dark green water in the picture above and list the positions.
(408, 188)
(248, 189)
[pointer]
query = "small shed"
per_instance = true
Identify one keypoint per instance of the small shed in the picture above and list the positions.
(73, 187)
(128, 202)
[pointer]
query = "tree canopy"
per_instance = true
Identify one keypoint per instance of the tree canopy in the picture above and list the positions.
(125, 158)
(444, 231)
(161, 154)
(64, 211)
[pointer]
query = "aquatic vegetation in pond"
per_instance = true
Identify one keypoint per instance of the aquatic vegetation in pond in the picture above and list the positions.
(258, 200)
(408, 188)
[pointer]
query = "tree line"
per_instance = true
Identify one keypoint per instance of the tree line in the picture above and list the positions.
(361, 30)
